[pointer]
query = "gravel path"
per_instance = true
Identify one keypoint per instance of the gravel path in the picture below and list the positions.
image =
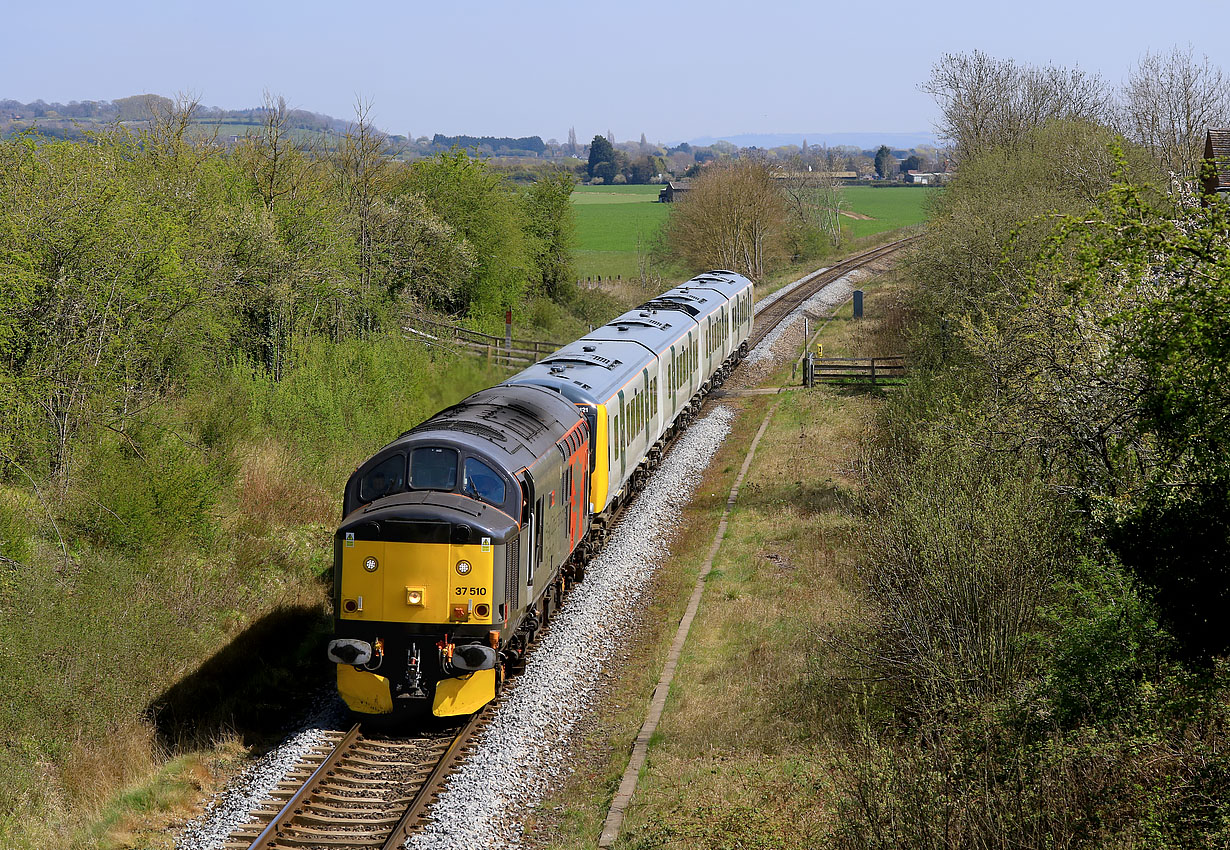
(525, 748)
(231, 807)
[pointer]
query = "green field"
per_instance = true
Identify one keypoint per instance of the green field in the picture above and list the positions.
(611, 220)
(889, 208)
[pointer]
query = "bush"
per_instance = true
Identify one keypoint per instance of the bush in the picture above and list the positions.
(143, 489)
(1177, 542)
(961, 547)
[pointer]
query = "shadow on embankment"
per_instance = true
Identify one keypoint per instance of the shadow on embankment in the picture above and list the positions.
(256, 686)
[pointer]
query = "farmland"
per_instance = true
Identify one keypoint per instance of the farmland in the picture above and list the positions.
(615, 224)
(612, 221)
(888, 208)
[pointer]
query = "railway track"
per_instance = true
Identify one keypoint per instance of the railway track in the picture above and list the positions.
(769, 317)
(361, 792)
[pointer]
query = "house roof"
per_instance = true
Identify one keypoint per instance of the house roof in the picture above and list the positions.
(1217, 150)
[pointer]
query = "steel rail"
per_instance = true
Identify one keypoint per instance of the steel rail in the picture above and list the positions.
(269, 835)
(434, 779)
(777, 312)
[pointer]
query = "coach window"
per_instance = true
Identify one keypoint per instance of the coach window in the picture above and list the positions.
(433, 469)
(388, 476)
(482, 482)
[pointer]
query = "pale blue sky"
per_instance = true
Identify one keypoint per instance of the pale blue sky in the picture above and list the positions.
(671, 70)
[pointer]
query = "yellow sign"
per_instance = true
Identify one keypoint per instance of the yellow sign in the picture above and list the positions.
(819, 349)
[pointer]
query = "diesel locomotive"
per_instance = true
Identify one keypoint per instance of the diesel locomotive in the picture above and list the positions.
(460, 537)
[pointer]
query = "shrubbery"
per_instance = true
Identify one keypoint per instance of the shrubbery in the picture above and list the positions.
(1045, 578)
(196, 348)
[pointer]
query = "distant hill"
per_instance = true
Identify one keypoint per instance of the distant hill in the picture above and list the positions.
(861, 140)
(69, 120)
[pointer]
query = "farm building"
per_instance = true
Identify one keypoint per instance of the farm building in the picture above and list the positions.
(671, 192)
(1217, 152)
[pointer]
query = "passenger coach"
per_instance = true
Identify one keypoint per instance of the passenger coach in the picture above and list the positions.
(642, 375)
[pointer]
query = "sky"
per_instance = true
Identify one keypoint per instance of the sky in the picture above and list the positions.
(670, 70)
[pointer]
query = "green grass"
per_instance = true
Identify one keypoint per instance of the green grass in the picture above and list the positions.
(611, 221)
(889, 208)
(584, 195)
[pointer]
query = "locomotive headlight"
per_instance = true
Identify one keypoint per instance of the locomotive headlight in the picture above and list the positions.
(463, 568)
(370, 565)
(414, 596)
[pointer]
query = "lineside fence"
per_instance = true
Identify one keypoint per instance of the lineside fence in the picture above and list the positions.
(502, 351)
(871, 371)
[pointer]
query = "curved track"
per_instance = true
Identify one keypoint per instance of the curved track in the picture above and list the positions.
(768, 318)
(370, 792)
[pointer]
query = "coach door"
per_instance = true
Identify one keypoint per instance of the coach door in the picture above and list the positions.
(531, 529)
(536, 523)
(621, 438)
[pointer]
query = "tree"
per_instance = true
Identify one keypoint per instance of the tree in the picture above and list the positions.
(552, 228)
(572, 141)
(733, 218)
(1168, 103)
(270, 156)
(986, 101)
(481, 209)
(600, 151)
(606, 172)
(102, 285)
(361, 173)
(885, 162)
(642, 170)
(814, 201)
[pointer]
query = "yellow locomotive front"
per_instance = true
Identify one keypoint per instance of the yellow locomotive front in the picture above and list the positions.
(421, 608)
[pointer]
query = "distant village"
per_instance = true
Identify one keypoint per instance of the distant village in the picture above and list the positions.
(523, 158)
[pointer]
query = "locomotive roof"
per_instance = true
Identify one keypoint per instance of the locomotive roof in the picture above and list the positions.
(512, 425)
(593, 368)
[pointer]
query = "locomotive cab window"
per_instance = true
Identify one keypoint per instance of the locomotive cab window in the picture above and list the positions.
(388, 476)
(433, 469)
(482, 482)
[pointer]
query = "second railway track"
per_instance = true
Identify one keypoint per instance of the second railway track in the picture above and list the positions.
(371, 792)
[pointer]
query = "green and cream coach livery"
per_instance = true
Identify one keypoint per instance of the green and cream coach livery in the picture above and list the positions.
(460, 537)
